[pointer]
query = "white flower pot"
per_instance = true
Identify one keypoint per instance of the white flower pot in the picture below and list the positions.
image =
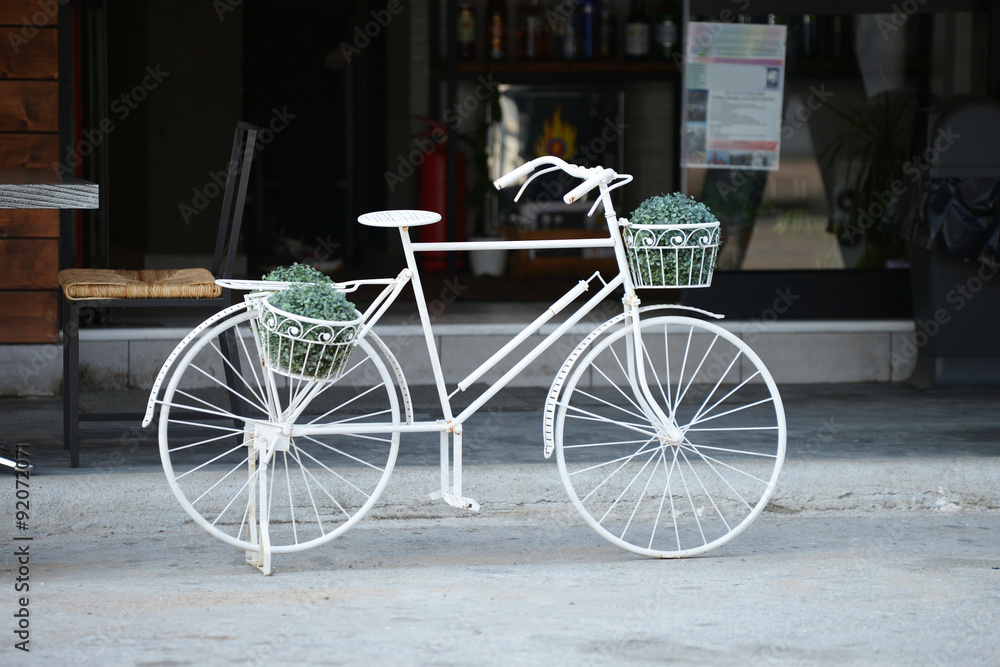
(488, 262)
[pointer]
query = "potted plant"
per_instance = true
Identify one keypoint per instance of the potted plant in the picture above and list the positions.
(309, 327)
(869, 158)
(671, 241)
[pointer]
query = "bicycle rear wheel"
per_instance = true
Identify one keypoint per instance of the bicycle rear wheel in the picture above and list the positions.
(221, 402)
(684, 464)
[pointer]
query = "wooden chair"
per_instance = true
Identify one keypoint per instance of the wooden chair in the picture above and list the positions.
(168, 287)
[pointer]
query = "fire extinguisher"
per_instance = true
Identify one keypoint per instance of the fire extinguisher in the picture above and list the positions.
(434, 197)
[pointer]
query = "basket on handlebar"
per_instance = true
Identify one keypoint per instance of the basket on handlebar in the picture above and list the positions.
(676, 255)
(303, 347)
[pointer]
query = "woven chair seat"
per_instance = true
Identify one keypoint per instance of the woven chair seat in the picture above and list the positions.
(83, 284)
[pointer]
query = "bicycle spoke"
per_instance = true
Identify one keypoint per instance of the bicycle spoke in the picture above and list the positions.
(291, 500)
(332, 472)
(744, 452)
(613, 443)
(629, 486)
(237, 374)
(708, 494)
(345, 454)
(701, 363)
(308, 487)
(226, 414)
(200, 443)
(711, 462)
(309, 473)
(621, 391)
(691, 503)
(642, 495)
(212, 460)
(343, 406)
(624, 461)
(222, 479)
(587, 415)
(715, 388)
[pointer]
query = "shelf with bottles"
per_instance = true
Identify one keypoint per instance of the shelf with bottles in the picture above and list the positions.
(569, 71)
(581, 37)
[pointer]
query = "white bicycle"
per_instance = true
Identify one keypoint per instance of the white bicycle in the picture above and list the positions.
(668, 430)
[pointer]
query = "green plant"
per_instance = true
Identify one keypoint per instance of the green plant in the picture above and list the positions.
(873, 152)
(298, 273)
(297, 345)
(663, 256)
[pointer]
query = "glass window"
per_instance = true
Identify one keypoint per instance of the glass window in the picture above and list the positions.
(853, 89)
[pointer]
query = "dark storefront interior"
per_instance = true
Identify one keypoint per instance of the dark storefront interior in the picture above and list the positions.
(337, 129)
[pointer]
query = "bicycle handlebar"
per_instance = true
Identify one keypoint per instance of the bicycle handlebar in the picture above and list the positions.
(593, 176)
(583, 188)
(508, 179)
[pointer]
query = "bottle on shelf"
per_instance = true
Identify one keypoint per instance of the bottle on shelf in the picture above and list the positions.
(466, 31)
(607, 48)
(836, 46)
(637, 33)
(667, 29)
(569, 43)
(588, 16)
(531, 32)
(496, 29)
(808, 35)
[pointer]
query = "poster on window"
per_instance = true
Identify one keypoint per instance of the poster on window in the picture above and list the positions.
(734, 77)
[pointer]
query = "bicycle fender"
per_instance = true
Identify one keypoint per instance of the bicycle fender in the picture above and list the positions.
(552, 400)
(154, 393)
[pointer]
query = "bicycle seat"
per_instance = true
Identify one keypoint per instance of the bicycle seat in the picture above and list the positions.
(402, 218)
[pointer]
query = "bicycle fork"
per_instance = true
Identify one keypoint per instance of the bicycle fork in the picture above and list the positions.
(668, 433)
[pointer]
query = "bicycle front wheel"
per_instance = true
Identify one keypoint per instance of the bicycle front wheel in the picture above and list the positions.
(221, 403)
(673, 447)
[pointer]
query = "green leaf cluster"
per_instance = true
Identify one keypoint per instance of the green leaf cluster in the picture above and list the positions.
(655, 261)
(673, 209)
(305, 348)
(320, 302)
(298, 273)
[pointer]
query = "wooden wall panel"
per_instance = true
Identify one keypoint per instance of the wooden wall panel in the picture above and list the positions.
(17, 12)
(29, 317)
(29, 223)
(29, 123)
(29, 151)
(29, 106)
(35, 58)
(29, 264)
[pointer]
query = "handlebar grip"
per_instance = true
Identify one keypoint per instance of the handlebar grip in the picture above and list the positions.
(582, 189)
(507, 179)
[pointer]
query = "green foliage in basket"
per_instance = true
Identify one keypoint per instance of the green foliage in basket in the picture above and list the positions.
(670, 267)
(317, 350)
(298, 273)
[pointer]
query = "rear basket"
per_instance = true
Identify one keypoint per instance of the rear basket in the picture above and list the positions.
(303, 347)
(681, 255)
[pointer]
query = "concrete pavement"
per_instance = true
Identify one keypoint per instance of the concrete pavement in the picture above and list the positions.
(850, 447)
(881, 547)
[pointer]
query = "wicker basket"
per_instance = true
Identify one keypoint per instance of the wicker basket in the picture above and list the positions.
(303, 347)
(681, 255)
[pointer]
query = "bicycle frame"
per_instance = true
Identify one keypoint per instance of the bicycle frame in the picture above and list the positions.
(452, 423)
